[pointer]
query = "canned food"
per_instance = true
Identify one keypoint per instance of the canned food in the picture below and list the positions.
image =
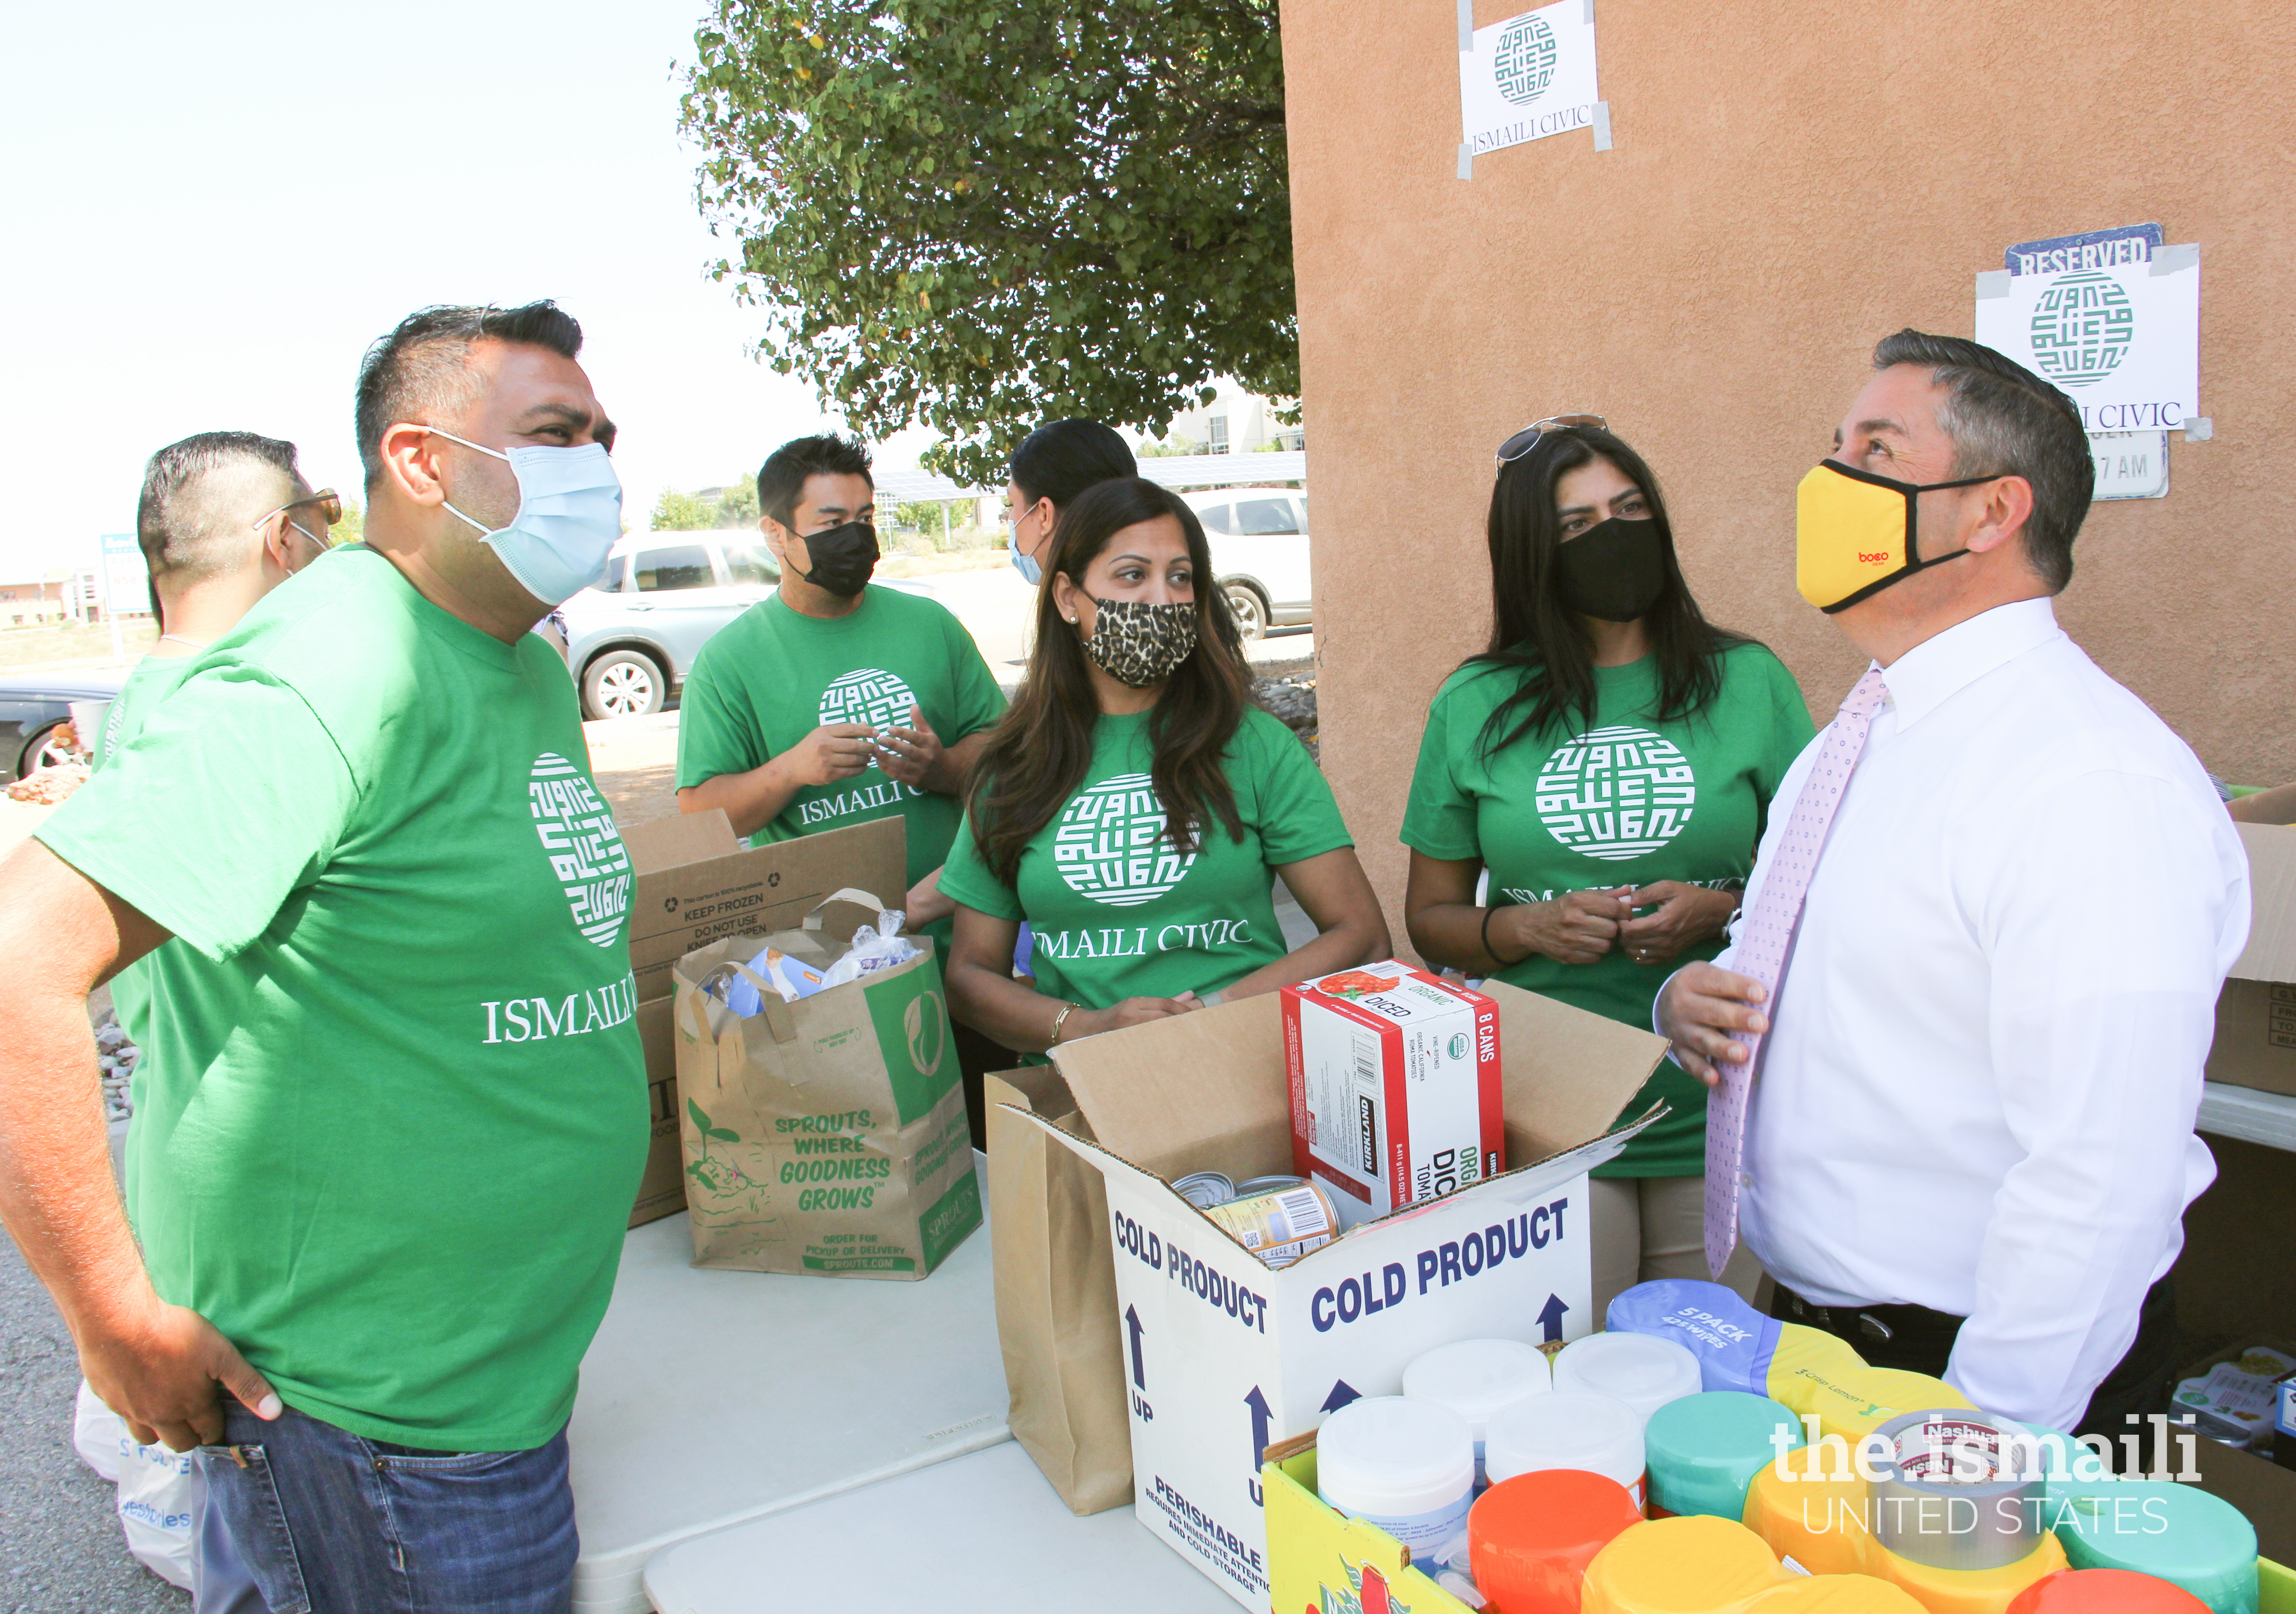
(1270, 1185)
(1204, 1189)
(1282, 1227)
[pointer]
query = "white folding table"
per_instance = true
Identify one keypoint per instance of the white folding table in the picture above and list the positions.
(982, 1535)
(712, 1397)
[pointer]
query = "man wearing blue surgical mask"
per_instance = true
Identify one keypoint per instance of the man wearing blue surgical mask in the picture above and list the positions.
(397, 1112)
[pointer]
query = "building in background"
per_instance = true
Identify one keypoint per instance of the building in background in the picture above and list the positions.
(1236, 422)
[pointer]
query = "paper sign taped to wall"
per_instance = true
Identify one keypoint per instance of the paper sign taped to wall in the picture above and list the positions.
(2114, 317)
(1528, 77)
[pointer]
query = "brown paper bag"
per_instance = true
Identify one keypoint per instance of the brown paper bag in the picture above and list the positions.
(825, 1136)
(1056, 1318)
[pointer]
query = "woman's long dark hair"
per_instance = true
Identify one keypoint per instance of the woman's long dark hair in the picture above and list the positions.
(1535, 634)
(1040, 752)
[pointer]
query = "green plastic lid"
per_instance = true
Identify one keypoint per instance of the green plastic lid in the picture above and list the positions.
(1704, 1450)
(2155, 1526)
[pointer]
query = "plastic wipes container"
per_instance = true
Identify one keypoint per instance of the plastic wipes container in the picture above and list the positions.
(1679, 1566)
(1567, 1430)
(2104, 1592)
(1640, 1370)
(1407, 1466)
(1474, 1377)
(1854, 1401)
(1833, 1594)
(1531, 1538)
(1702, 1451)
(2177, 1533)
(1966, 1591)
(1812, 1512)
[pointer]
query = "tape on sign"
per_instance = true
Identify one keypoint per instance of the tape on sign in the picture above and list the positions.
(1953, 1493)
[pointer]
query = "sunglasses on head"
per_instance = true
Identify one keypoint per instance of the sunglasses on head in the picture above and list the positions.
(1522, 442)
(329, 502)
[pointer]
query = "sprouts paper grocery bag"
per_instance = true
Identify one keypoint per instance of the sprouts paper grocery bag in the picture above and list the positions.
(828, 1135)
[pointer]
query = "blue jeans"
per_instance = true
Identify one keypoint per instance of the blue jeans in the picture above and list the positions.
(330, 1522)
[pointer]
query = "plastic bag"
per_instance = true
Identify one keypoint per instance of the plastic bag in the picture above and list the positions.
(873, 948)
(161, 1496)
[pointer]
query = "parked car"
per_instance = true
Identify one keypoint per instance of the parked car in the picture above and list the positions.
(631, 639)
(34, 705)
(1259, 537)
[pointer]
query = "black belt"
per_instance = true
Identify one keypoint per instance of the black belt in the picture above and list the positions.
(1914, 1337)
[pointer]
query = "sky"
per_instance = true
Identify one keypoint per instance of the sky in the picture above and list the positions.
(211, 210)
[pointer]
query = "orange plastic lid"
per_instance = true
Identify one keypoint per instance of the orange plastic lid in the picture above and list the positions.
(1834, 1595)
(1531, 1537)
(2104, 1592)
(1697, 1564)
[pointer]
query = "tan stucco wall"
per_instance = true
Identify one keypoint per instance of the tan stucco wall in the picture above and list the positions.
(1789, 185)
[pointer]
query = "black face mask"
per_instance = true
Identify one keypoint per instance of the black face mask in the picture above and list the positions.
(1614, 571)
(843, 557)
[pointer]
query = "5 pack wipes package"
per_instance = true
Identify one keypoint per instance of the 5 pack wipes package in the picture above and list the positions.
(1396, 1087)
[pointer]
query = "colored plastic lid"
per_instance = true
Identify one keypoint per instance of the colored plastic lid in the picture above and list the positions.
(1531, 1538)
(1805, 1514)
(1966, 1591)
(1834, 1595)
(1703, 1450)
(2104, 1592)
(2178, 1532)
(1699, 1565)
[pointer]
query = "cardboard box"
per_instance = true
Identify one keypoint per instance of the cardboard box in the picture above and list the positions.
(697, 883)
(1319, 1559)
(1225, 1357)
(2256, 1014)
(1395, 1086)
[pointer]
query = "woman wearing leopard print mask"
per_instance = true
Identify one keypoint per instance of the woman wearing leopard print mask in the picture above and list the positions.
(1134, 806)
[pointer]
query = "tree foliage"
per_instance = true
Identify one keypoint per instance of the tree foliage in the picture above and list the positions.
(675, 511)
(983, 214)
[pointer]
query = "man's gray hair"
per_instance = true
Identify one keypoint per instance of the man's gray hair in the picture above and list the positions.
(194, 521)
(2005, 421)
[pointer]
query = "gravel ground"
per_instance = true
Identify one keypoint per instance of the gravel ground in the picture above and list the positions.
(61, 1551)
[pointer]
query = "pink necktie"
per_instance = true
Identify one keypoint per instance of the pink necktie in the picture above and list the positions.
(1762, 943)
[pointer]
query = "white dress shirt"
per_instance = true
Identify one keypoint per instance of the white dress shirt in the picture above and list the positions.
(1980, 1093)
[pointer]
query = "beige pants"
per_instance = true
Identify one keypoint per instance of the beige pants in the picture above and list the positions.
(1655, 1227)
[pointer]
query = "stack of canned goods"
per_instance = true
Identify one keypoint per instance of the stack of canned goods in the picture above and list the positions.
(1278, 1218)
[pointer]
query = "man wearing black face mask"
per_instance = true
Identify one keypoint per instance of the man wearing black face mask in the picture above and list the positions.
(833, 703)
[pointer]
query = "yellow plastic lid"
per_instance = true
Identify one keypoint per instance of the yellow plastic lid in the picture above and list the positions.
(1813, 1512)
(1834, 1595)
(1854, 1401)
(1966, 1591)
(1697, 1564)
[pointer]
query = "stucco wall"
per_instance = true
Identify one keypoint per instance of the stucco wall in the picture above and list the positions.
(1789, 185)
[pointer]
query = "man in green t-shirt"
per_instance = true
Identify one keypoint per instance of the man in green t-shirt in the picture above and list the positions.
(831, 702)
(398, 1107)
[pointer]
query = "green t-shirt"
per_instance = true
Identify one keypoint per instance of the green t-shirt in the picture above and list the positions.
(1118, 913)
(1629, 802)
(772, 675)
(152, 681)
(396, 1111)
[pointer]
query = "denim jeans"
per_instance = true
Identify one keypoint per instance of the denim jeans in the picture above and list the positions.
(330, 1522)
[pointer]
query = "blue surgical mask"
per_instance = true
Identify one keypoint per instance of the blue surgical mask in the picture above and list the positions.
(569, 513)
(1026, 565)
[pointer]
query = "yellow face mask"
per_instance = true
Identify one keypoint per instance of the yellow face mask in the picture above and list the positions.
(1854, 533)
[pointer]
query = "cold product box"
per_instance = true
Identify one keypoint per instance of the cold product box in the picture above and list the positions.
(1395, 1086)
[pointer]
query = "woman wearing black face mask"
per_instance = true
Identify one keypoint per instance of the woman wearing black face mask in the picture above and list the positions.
(1134, 806)
(1610, 761)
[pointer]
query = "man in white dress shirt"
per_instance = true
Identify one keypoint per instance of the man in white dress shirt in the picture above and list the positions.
(1969, 1143)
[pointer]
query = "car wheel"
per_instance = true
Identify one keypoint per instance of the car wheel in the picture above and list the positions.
(1250, 611)
(623, 683)
(36, 757)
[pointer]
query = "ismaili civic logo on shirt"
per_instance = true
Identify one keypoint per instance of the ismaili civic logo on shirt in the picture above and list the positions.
(578, 833)
(1616, 793)
(1111, 844)
(870, 695)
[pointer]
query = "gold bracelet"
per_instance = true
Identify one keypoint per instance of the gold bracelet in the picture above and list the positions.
(1060, 1020)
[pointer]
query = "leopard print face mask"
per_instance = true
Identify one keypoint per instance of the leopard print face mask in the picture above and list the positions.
(1141, 642)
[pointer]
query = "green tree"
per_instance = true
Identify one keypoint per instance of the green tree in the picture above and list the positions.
(737, 506)
(677, 512)
(981, 216)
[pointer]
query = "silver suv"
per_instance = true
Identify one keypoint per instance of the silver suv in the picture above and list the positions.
(631, 639)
